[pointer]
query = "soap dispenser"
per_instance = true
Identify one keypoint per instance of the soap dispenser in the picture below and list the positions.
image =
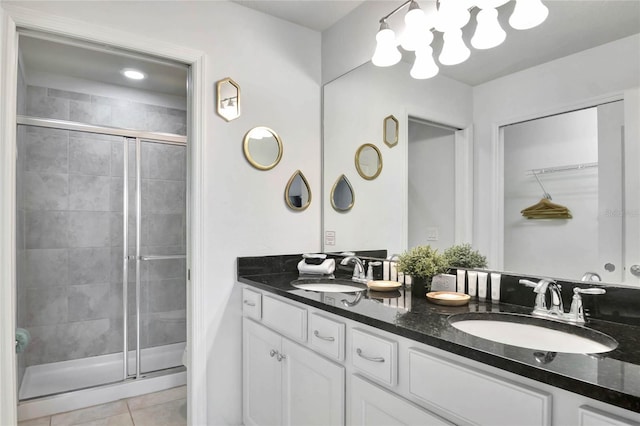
(370, 270)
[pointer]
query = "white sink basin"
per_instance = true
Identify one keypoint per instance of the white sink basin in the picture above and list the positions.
(533, 333)
(326, 285)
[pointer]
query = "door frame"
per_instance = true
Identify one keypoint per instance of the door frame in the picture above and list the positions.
(16, 17)
(631, 100)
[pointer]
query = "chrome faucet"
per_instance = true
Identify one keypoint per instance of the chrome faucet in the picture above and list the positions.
(591, 276)
(556, 310)
(358, 268)
(540, 288)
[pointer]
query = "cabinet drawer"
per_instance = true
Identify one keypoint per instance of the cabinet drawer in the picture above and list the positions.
(251, 304)
(326, 336)
(588, 416)
(375, 356)
(285, 318)
(463, 392)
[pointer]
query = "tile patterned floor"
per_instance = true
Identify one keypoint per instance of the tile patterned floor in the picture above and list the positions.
(164, 408)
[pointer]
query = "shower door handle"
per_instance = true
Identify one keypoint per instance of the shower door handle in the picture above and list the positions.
(172, 256)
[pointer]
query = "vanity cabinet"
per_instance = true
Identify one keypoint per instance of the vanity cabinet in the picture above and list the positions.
(285, 383)
(306, 366)
(372, 405)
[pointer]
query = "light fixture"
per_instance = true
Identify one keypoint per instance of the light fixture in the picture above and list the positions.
(488, 33)
(386, 53)
(424, 66)
(454, 51)
(528, 14)
(450, 18)
(417, 30)
(133, 74)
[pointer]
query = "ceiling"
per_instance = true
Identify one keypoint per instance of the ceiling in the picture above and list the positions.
(572, 26)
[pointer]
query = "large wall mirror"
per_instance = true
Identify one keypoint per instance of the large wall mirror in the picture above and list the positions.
(471, 119)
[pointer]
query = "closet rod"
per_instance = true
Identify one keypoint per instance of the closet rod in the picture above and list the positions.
(562, 168)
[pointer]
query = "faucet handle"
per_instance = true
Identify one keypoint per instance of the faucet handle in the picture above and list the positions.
(576, 313)
(595, 290)
(528, 283)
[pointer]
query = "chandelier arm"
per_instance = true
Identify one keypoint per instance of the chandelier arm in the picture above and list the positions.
(396, 10)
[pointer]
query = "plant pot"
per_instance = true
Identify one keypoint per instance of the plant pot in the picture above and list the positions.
(420, 286)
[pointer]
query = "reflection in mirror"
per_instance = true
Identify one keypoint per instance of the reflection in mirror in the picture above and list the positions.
(297, 194)
(228, 99)
(391, 131)
(342, 195)
(368, 161)
(576, 157)
(262, 148)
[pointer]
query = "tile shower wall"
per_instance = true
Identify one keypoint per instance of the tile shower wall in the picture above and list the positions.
(72, 189)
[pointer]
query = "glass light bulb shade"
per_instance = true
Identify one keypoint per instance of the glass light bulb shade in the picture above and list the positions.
(454, 51)
(386, 53)
(416, 32)
(424, 66)
(488, 33)
(528, 14)
(452, 14)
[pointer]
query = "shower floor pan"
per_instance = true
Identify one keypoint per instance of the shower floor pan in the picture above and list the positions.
(65, 376)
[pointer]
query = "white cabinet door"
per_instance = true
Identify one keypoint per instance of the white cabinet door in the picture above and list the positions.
(262, 375)
(313, 388)
(375, 406)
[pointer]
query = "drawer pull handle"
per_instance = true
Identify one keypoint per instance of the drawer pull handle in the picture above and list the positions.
(328, 339)
(368, 358)
(248, 303)
(273, 353)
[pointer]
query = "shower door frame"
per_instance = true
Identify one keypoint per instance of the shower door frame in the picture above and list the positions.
(10, 19)
(127, 136)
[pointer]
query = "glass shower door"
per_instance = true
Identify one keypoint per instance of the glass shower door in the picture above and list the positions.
(161, 249)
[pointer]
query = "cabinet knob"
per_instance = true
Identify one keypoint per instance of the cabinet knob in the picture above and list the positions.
(273, 353)
(281, 357)
(248, 303)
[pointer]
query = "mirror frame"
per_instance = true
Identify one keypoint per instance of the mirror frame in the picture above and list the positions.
(333, 190)
(218, 97)
(387, 142)
(251, 160)
(288, 187)
(357, 161)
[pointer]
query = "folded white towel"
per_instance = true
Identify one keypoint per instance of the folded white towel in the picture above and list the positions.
(325, 268)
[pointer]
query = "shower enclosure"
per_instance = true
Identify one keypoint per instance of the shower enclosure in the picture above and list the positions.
(101, 277)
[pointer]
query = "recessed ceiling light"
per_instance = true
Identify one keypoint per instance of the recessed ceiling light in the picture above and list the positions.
(133, 74)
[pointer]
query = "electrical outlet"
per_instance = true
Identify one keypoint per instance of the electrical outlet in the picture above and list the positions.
(432, 234)
(330, 238)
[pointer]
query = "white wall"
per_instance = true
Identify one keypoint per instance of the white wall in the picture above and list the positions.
(554, 87)
(354, 109)
(431, 201)
(277, 65)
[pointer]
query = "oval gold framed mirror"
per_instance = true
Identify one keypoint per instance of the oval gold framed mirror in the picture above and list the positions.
(368, 161)
(297, 194)
(228, 92)
(342, 195)
(390, 130)
(262, 148)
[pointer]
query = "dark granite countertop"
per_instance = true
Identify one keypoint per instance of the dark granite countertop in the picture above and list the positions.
(612, 377)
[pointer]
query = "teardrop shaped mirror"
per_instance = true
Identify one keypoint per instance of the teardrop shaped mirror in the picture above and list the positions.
(297, 194)
(228, 99)
(390, 131)
(262, 148)
(368, 161)
(342, 195)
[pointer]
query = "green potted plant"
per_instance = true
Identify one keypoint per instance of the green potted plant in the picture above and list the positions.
(464, 256)
(422, 263)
